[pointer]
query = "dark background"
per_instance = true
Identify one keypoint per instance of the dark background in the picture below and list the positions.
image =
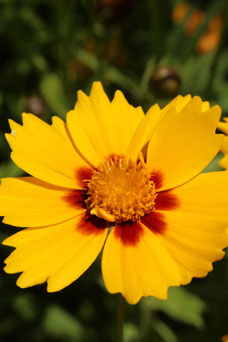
(151, 50)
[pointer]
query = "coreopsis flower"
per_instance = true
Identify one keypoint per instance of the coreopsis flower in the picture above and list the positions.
(114, 179)
(223, 127)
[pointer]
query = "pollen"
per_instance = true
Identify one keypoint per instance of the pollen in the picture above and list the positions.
(120, 190)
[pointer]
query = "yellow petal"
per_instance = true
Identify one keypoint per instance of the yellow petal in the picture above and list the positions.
(138, 266)
(206, 195)
(178, 103)
(224, 149)
(148, 125)
(144, 132)
(123, 122)
(59, 254)
(223, 126)
(224, 162)
(27, 201)
(205, 106)
(184, 143)
(196, 231)
(100, 127)
(194, 242)
(40, 150)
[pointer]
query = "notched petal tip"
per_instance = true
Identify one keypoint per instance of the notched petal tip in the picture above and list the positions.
(9, 137)
(27, 113)
(97, 85)
(7, 268)
(81, 96)
(223, 126)
(134, 300)
(205, 106)
(13, 125)
(51, 288)
(21, 284)
(96, 89)
(196, 103)
(98, 95)
(28, 116)
(119, 95)
(8, 241)
(216, 110)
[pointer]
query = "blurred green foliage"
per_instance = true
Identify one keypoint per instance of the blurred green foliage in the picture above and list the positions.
(50, 49)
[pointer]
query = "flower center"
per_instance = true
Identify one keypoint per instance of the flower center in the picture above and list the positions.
(120, 191)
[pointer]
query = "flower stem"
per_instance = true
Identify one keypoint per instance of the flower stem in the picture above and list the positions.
(120, 318)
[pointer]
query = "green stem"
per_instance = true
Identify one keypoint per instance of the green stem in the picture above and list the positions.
(154, 13)
(120, 318)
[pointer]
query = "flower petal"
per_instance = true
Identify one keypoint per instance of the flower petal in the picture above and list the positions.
(206, 195)
(139, 266)
(45, 153)
(194, 242)
(122, 123)
(100, 127)
(196, 231)
(149, 123)
(224, 162)
(144, 132)
(59, 254)
(224, 148)
(223, 126)
(184, 143)
(27, 201)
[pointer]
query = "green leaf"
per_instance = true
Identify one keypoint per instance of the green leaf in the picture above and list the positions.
(24, 304)
(214, 164)
(10, 170)
(182, 306)
(131, 332)
(164, 331)
(60, 323)
(53, 93)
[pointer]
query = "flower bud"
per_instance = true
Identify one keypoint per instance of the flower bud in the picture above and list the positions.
(166, 80)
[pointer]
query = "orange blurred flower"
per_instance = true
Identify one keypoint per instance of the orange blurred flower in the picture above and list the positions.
(210, 39)
(216, 23)
(180, 11)
(208, 42)
(194, 22)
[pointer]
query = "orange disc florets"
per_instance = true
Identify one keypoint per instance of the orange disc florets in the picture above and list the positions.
(120, 191)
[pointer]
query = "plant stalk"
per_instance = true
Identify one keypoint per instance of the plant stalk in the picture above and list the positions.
(120, 318)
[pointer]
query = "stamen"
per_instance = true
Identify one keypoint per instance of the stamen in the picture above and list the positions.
(120, 191)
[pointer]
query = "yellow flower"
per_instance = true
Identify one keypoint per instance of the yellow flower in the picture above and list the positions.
(225, 338)
(223, 127)
(115, 179)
